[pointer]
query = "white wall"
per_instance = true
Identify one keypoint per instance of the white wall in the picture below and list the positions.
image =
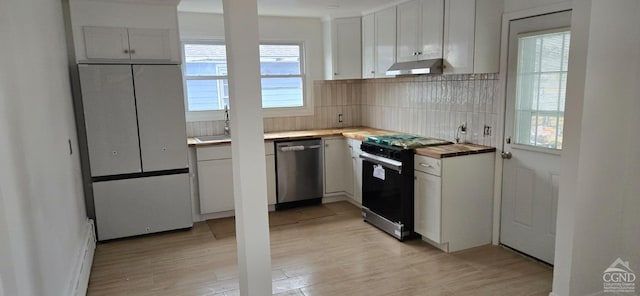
(42, 215)
(122, 14)
(515, 5)
(605, 197)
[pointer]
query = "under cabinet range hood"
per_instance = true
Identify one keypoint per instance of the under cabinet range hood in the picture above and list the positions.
(433, 66)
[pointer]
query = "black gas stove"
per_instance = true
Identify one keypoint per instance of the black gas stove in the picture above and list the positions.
(387, 181)
(387, 188)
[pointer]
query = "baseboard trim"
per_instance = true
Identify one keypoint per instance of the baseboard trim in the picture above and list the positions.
(82, 270)
(334, 198)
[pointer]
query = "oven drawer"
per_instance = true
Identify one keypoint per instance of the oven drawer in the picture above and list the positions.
(427, 165)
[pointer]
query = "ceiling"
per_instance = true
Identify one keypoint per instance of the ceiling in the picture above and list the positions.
(295, 8)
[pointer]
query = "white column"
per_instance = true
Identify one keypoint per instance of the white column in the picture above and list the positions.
(247, 144)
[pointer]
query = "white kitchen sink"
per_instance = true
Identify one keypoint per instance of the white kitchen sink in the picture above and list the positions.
(203, 139)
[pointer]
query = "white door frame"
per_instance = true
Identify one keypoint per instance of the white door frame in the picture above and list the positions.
(504, 43)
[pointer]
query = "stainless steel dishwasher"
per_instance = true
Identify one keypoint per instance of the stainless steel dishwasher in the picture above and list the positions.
(299, 173)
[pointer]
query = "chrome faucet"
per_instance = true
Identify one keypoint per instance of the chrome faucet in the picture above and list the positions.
(227, 129)
(462, 129)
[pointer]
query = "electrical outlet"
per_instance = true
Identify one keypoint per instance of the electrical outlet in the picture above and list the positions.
(340, 118)
(487, 130)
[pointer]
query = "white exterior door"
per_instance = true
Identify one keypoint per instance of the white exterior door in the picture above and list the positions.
(536, 79)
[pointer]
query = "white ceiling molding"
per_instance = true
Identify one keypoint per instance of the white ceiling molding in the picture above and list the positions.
(295, 8)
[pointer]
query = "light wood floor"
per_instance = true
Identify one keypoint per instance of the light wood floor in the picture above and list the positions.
(324, 250)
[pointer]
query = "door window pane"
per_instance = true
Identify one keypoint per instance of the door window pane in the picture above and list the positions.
(541, 88)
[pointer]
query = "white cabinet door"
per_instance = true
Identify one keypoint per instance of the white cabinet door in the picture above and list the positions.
(215, 179)
(110, 119)
(431, 27)
(271, 179)
(427, 206)
(161, 118)
(385, 27)
(349, 187)
(459, 36)
(357, 170)
(106, 43)
(347, 50)
(368, 46)
(334, 165)
(149, 44)
(142, 205)
(408, 31)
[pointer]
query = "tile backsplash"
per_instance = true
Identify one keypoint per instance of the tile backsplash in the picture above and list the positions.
(433, 105)
(330, 99)
(428, 105)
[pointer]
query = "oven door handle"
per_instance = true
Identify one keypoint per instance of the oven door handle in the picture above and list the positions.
(385, 162)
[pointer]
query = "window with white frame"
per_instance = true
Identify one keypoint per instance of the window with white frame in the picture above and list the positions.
(206, 83)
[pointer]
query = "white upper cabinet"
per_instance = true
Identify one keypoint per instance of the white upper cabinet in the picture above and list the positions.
(368, 46)
(420, 29)
(149, 44)
(385, 22)
(106, 43)
(344, 60)
(378, 43)
(472, 36)
(128, 44)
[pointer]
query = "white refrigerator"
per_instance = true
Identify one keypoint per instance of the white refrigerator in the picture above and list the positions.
(136, 144)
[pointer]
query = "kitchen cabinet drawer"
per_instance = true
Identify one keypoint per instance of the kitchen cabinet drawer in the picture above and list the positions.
(142, 205)
(428, 165)
(224, 151)
(214, 152)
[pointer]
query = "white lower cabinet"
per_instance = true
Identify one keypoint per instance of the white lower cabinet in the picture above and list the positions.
(427, 206)
(137, 206)
(355, 170)
(215, 177)
(335, 165)
(453, 201)
(271, 179)
(343, 168)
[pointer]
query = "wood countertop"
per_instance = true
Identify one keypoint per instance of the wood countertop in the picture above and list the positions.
(358, 133)
(443, 151)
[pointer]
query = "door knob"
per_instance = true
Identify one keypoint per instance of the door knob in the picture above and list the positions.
(506, 155)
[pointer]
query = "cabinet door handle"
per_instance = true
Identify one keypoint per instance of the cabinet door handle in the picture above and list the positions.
(126, 51)
(373, 72)
(419, 52)
(133, 51)
(426, 165)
